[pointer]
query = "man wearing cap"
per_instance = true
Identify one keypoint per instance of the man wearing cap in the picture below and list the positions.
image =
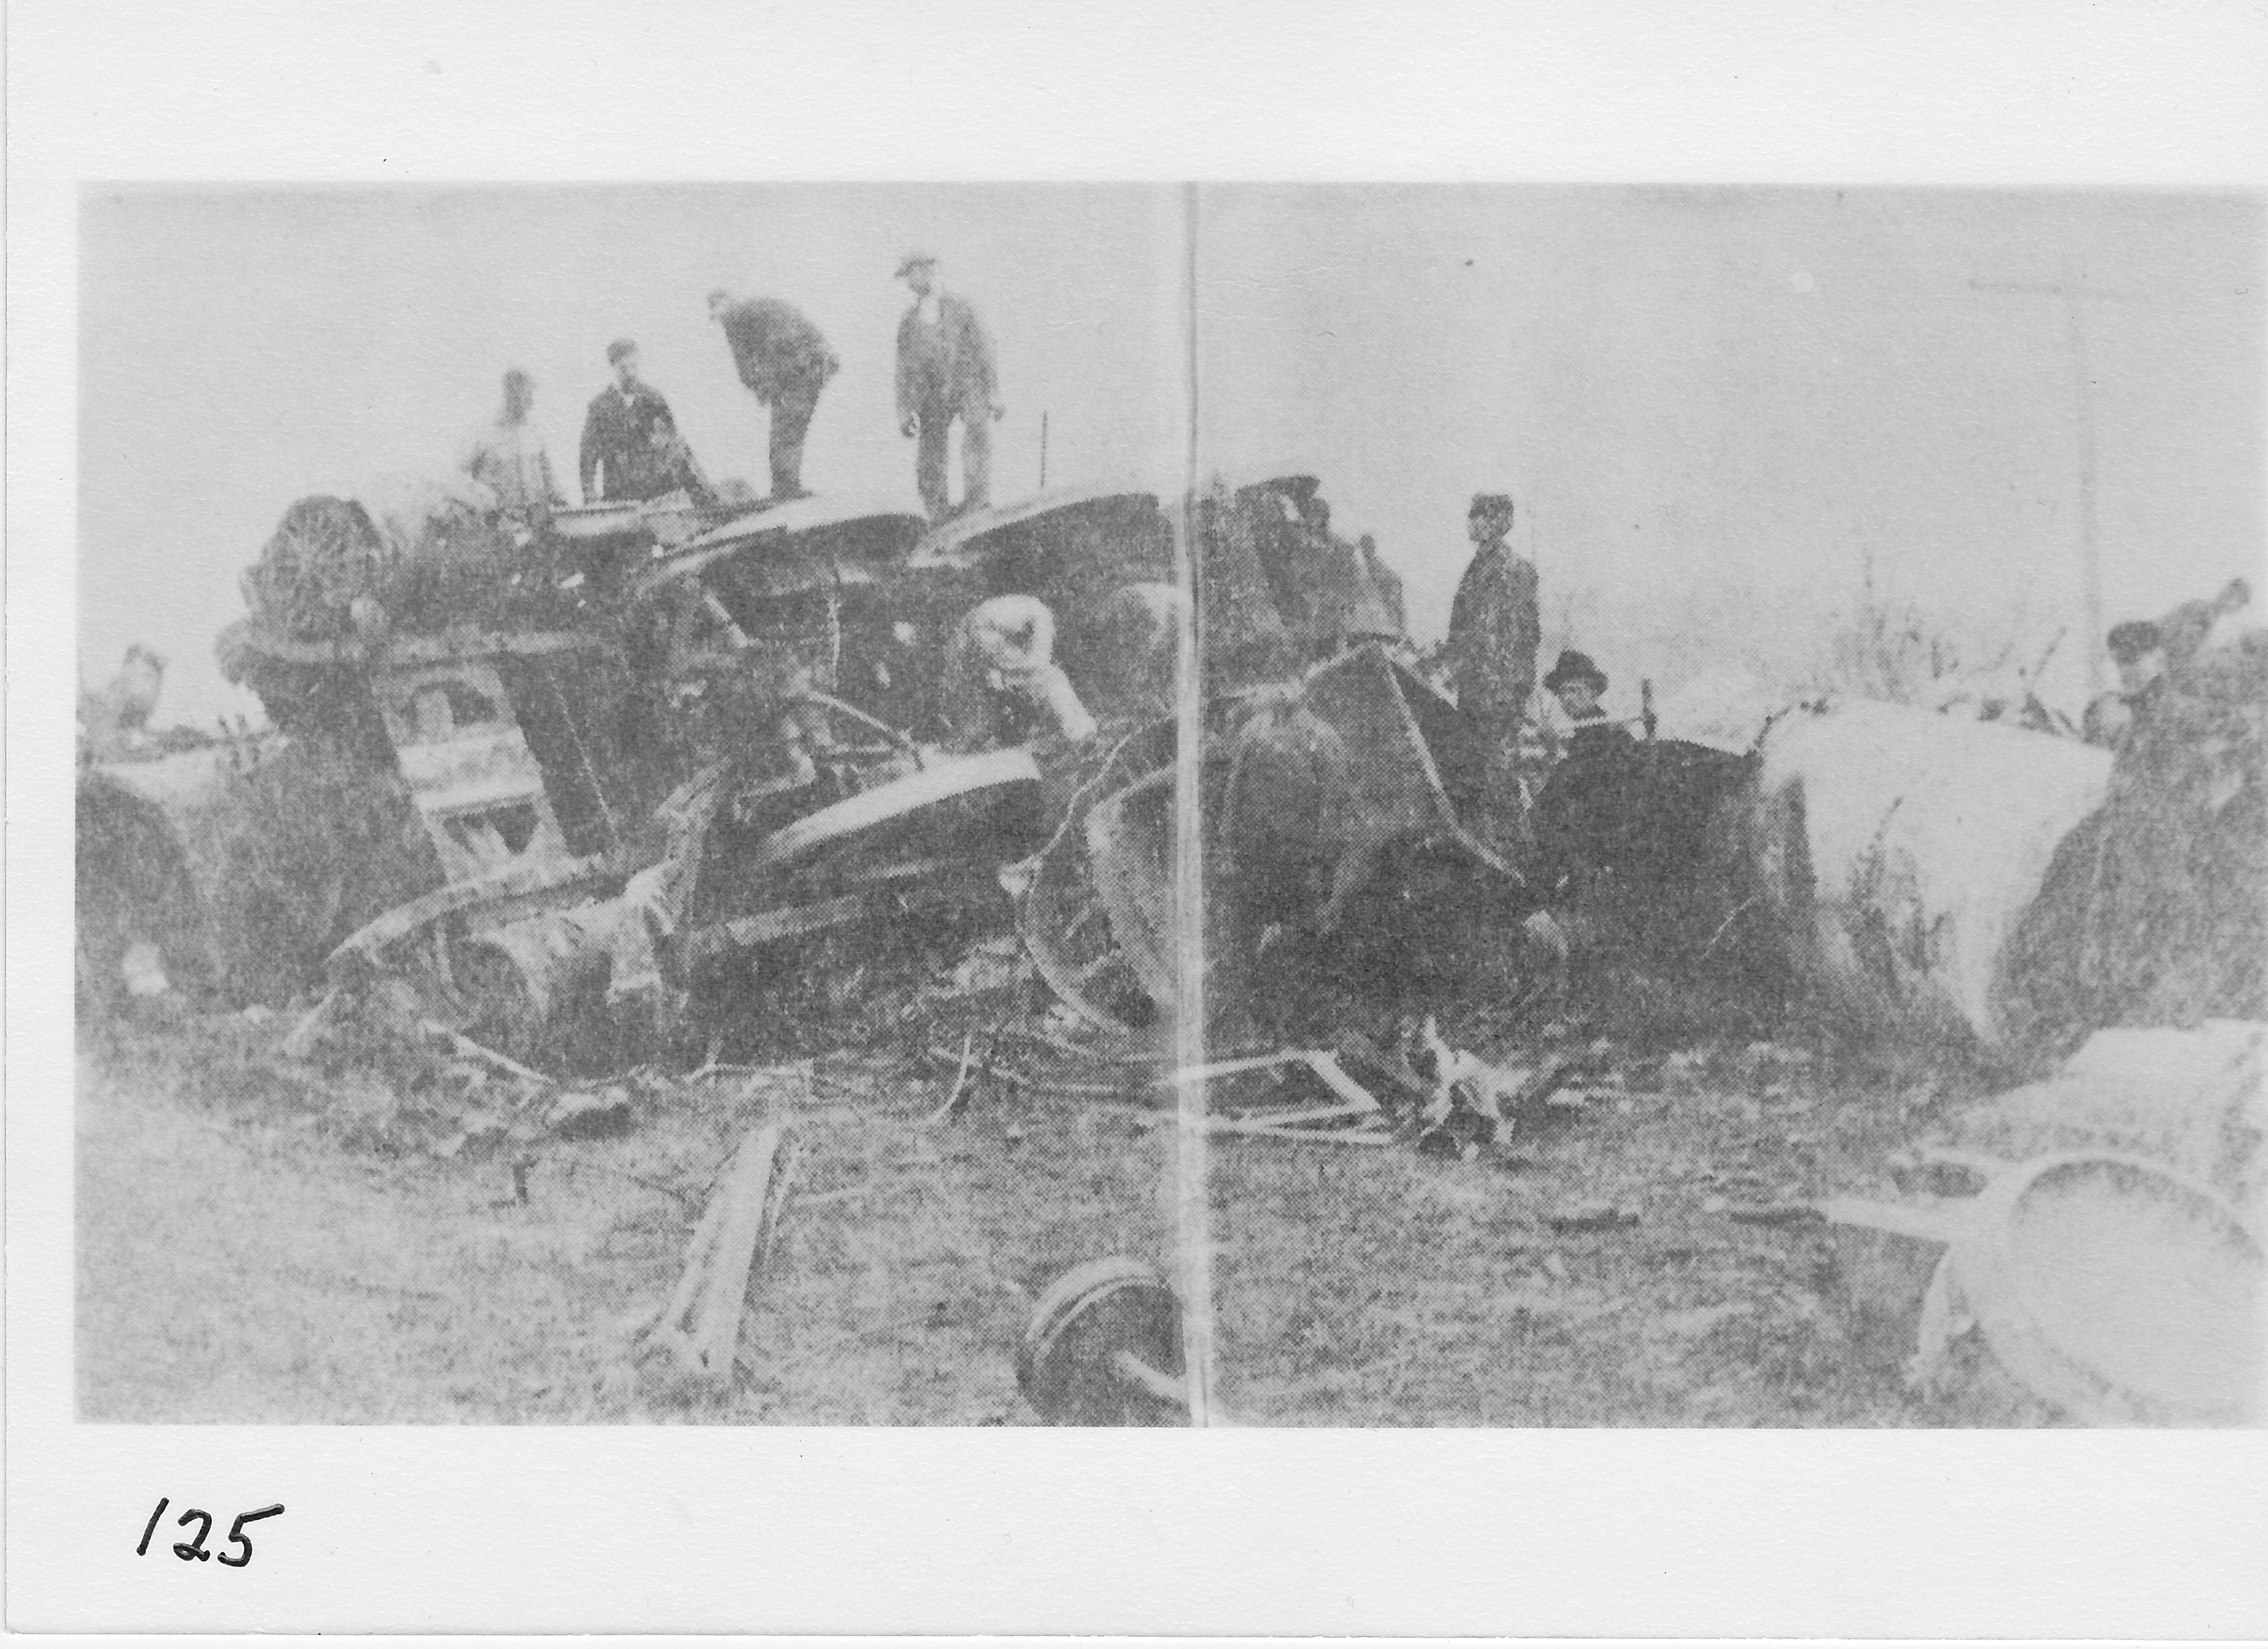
(785, 362)
(2138, 650)
(944, 371)
(1494, 633)
(631, 445)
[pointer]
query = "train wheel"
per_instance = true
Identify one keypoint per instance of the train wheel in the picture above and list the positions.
(1067, 928)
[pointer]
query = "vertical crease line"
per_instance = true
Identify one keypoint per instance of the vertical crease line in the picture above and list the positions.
(1192, 1213)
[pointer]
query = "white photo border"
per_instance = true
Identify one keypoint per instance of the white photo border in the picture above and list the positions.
(1632, 1533)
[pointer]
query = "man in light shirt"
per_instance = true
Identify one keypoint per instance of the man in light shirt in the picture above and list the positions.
(1002, 684)
(508, 457)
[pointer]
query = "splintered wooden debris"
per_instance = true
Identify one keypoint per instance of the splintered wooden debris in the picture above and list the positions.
(723, 1261)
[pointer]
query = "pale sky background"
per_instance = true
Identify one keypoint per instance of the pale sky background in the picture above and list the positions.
(1689, 391)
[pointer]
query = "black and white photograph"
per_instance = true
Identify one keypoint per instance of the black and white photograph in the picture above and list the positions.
(1095, 805)
(1441, 822)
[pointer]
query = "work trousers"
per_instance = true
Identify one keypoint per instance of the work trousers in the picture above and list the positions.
(791, 410)
(1495, 720)
(976, 457)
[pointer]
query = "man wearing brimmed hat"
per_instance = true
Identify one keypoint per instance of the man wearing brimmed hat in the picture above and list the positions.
(944, 371)
(1578, 685)
(630, 445)
(785, 362)
(1494, 632)
(1593, 796)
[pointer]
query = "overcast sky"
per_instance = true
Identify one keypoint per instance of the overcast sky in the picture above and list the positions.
(1680, 387)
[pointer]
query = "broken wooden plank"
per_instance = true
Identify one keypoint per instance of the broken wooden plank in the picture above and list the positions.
(701, 1326)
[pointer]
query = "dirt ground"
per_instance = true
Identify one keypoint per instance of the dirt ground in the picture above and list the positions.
(244, 1256)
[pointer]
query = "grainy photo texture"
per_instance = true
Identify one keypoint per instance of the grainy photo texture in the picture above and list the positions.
(1279, 805)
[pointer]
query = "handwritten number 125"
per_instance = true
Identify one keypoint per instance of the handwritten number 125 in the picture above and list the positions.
(194, 1550)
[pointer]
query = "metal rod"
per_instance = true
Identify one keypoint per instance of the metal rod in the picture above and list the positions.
(583, 757)
(1162, 1386)
(902, 741)
(471, 1049)
(1135, 1372)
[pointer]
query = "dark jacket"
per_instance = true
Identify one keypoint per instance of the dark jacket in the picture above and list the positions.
(1592, 801)
(776, 347)
(1596, 740)
(618, 437)
(947, 366)
(1493, 631)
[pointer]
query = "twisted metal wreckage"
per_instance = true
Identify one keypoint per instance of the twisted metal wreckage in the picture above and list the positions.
(594, 772)
(558, 791)
(587, 772)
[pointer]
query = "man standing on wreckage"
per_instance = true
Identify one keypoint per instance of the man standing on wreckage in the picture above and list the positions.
(1494, 631)
(944, 371)
(631, 449)
(785, 362)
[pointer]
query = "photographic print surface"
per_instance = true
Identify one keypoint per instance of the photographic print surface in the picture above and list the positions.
(1135, 804)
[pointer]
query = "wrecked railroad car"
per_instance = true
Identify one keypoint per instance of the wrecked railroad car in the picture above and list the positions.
(474, 730)
(1893, 853)
(607, 758)
(595, 774)
(1330, 773)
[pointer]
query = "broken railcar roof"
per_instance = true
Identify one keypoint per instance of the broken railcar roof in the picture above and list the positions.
(954, 544)
(951, 543)
(824, 536)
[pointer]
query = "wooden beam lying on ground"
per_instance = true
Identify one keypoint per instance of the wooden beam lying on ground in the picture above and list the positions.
(723, 1261)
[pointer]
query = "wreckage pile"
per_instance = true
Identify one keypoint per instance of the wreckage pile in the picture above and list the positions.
(417, 554)
(235, 868)
(2155, 909)
(1893, 854)
(385, 1078)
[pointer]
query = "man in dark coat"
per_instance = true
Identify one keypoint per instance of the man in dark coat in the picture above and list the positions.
(944, 371)
(1593, 801)
(630, 445)
(785, 362)
(1494, 629)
